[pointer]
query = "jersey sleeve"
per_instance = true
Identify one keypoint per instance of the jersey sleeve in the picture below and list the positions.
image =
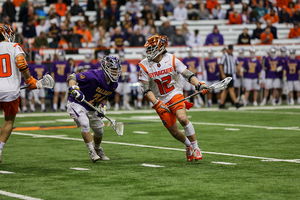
(18, 50)
(179, 66)
(143, 76)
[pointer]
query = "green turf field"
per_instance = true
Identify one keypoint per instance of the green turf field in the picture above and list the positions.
(248, 154)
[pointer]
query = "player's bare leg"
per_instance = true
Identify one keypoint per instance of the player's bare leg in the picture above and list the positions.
(55, 100)
(255, 95)
(88, 139)
(117, 101)
(62, 103)
(279, 96)
(43, 107)
(264, 101)
(292, 98)
(274, 96)
(6, 130)
(32, 105)
(223, 98)
(209, 98)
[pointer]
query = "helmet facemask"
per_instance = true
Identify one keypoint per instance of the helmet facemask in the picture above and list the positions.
(155, 46)
(7, 32)
(112, 67)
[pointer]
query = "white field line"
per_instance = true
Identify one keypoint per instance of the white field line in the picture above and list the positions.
(17, 195)
(232, 129)
(6, 172)
(79, 169)
(165, 148)
(140, 132)
(223, 163)
(149, 165)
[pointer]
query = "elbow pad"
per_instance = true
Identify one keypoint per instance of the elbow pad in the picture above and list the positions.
(145, 88)
(71, 77)
(188, 75)
(21, 63)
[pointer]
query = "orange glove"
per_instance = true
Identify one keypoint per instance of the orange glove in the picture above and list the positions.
(160, 107)
(31, 82)
(202, 86)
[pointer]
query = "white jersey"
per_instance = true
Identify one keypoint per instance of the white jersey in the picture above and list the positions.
(10, 76)
(163, 77)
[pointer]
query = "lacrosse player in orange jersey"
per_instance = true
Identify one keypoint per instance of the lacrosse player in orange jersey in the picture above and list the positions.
(12, 64)
(161, 84)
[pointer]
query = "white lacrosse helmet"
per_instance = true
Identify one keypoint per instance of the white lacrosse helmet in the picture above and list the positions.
(241, 53)
(189, 50)
(87, 58)
(273, 52)
(7, 32)
(282, 51)
(252, 52)
(100, 56)
(61, 55)
(111, 65)
(210, 54)
(292, 54)
(122, 56)
(155, 46)
(38, 59)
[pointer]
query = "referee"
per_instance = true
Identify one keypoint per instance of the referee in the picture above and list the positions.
(228, 66)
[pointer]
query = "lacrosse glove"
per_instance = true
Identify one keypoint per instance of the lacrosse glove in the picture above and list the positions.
(284, 79)
(31, 82)
(202, 86)
(79, 96)
(103, 111)
(160, 107)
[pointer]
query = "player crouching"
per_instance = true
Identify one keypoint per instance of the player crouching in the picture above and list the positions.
(95, 86)
(161, 84)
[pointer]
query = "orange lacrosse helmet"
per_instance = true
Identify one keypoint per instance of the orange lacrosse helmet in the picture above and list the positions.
(155, 45)
(7, 32)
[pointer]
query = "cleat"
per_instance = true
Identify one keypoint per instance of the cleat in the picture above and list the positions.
(189, 153)
(94, 156)
(263, 102)
(274, 102)
(255, 103)
(54, 110)
(101, 153)
(198, 155)
(238, 105)
(222, 106)
(44, 110)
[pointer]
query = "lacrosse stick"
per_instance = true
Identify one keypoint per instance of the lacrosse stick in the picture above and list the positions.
(46, 82)
(222, 85)
(116, 126)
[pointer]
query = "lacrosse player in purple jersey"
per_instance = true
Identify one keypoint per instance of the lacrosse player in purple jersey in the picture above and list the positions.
(86, 64)
(193, 65)
(291, 75)
(212, 75)
(239, 79)
(284, 58)
(95, 86)
(38, 70)
(252, 69)
(60, 72)
(273, 66)
(124, 86)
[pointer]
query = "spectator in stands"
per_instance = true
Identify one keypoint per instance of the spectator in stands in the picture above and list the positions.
(101, 48)
(132, 7)
(211, 4)
(29, 12)
(151, 5)
(218, 13)
(76, 9)
(192, 12)
(145, 12)
(101, 11)
(272, 28)
(29, 28)
(41, 42)
(166, 29)
(281, 3)
(253, 3)
(113, 11)
(197, 4)
(86, 64)
(203, 12)
(54, 43)
(261, 10)
(18, 3)
(272, 16)
(245, 17)
(152, 31)
(284, 16)
(256, 32)
(137, 40)
(295, 31)
(296, 16)
(117, 40)
(235, 1)
(214, 38)
(291, 8)
(160, 12)
(185, 31)
(54, 30)
(195, 39)
(168, 7)
(75, 39)
(244, 38)
(235, 18)
(8, 9)
(178, 39)
(266, 37)
(85, 33)
(127, 22)
(41, 27)
(63, 43)
(230, 9)
(180, 12)
(61, 8)
(253, 16)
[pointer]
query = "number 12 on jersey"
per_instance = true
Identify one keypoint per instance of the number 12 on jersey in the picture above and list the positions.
(163, 85)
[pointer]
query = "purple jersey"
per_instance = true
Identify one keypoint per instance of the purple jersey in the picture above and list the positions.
(38, 71)
(86, 66)
(192, 64)
(118, 39)
(243, 62)
(292, 68)
(125, 72)
(61, 69)
(212, 69)
(253, 68)
(97, 66)
(94, 87)
(271, 67)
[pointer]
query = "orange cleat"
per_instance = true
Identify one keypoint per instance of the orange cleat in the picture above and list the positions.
(189, 153)
(198, 155)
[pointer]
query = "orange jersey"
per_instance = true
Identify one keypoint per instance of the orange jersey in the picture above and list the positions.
(85, 33)
(294, 33)
(281, 3)
(210, 4)
(273, 19)
(61, 9)
(263, 36)
(17, 3)
(234, 20)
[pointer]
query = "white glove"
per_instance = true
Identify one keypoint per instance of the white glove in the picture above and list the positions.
(279, 69)
(202, 86)
(103, 112)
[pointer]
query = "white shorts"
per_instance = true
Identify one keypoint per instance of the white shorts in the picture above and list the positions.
(23, 93)
(212, 82)
(76, 110)
(273, 83)
(250, 84)
(293, 86)
(123, 88)
(237, 83)
(61, 87)
(39, 93)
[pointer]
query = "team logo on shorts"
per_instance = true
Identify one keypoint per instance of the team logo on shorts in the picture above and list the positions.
(164, 122)
(82, 76)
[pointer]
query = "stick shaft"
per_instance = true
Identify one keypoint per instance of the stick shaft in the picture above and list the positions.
(89, 104)
(192, 95)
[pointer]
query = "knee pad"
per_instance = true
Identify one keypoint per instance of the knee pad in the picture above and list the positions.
(84, 122)
(189, 129)
(98, 132)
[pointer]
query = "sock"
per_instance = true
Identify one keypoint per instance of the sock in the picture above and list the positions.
(219, 101)
(62, 106)
(209, 101)
(139, 104)
(24, 108)
(195, 145)
(1, 146)
(89, 146)
(32, 107)
(97, 146)
(55, 106)
(43, 106)
(187, 142)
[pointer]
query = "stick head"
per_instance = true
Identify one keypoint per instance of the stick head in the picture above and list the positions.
(46, 82)
(222, 85)
(118, 127)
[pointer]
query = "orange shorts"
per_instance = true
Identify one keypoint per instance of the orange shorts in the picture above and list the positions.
(10, 108)
(169, 119)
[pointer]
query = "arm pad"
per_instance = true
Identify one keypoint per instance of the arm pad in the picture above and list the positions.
(21, 63)
(145, 88)
(188, 75)
(71, 77)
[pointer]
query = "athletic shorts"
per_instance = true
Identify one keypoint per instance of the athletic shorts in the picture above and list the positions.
(23, 93)
(230, 83)
(10, 108)
(250, 84)
(61, 87)
(123, 88)
(273, 83)
(293, 86)
(237, 83)
(39, 93)
(169, 119)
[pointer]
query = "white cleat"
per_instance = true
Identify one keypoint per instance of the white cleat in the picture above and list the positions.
(94, 156)
(101, 153)
(196, 105)
(274, 102)
(263, 102)
(279, 102)
(128, 107)
(292, 102)
(116, 107)
(255, 103)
